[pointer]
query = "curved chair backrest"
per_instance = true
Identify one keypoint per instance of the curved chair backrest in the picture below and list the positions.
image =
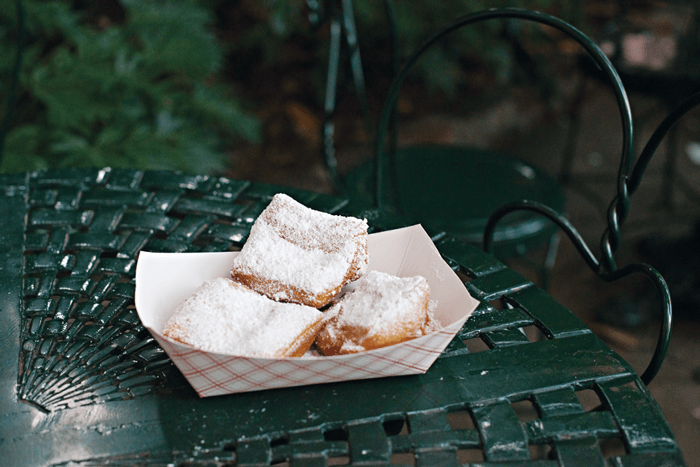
(385, 188)
(612, 274)
(627, 180)
(617, 211)
(661, 131)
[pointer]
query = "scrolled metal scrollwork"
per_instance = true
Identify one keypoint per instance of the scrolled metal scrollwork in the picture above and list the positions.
(606, 275)
(629, 181)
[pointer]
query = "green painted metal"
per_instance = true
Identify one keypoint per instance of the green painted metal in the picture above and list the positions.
(84, 384)
(456, 189)
(437, 186)
(599, 268)
(342, 22)
(607, 268)
(392, 186)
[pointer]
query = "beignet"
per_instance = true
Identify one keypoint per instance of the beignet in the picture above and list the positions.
(382, 310)
(300, 255)
(225, 317)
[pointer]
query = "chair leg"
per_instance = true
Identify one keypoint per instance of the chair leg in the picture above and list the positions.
(342, 23)
(329, 105)
(356, 65)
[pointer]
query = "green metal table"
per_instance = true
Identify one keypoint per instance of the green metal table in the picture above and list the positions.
(84, 384)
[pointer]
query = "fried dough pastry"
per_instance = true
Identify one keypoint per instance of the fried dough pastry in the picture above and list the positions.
(300, 255)
(223, 316)
(382, 310)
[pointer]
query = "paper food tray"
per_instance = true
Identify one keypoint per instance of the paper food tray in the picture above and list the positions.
(163, 280)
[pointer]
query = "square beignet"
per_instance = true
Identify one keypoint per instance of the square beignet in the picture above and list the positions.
(382, 310)
(225, 317)
(300, 255)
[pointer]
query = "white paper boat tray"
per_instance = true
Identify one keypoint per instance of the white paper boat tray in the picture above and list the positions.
(163, 280)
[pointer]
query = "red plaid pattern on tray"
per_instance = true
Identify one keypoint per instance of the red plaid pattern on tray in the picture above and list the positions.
(212, 374)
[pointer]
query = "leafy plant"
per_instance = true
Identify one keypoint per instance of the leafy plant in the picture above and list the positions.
(141, 91)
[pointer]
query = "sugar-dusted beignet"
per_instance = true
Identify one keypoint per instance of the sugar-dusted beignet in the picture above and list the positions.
(299, 255)
(225, 317)
(382, 310)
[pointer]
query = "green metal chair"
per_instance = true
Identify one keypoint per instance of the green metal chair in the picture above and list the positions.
(629, 178)
(676, 259)
(403, 174)
(453, 189)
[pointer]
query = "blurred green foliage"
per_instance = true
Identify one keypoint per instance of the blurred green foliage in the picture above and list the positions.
(145, 87)
(143, 92)
(442, 68)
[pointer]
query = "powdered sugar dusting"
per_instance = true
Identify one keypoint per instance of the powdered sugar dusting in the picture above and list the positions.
(225, 317)
(267, 255)
(300, 247)
(380, 299)
(382, 307)
(308, 228)
(433, 324)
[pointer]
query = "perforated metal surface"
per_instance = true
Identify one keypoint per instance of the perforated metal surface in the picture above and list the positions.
(525, 382)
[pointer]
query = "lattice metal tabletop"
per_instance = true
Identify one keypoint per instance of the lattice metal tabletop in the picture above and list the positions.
(83, 383)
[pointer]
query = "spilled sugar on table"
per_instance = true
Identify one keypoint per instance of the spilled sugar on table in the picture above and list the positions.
(84, 383)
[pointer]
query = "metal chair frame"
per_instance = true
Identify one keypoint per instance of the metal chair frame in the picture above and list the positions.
(627, 180)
